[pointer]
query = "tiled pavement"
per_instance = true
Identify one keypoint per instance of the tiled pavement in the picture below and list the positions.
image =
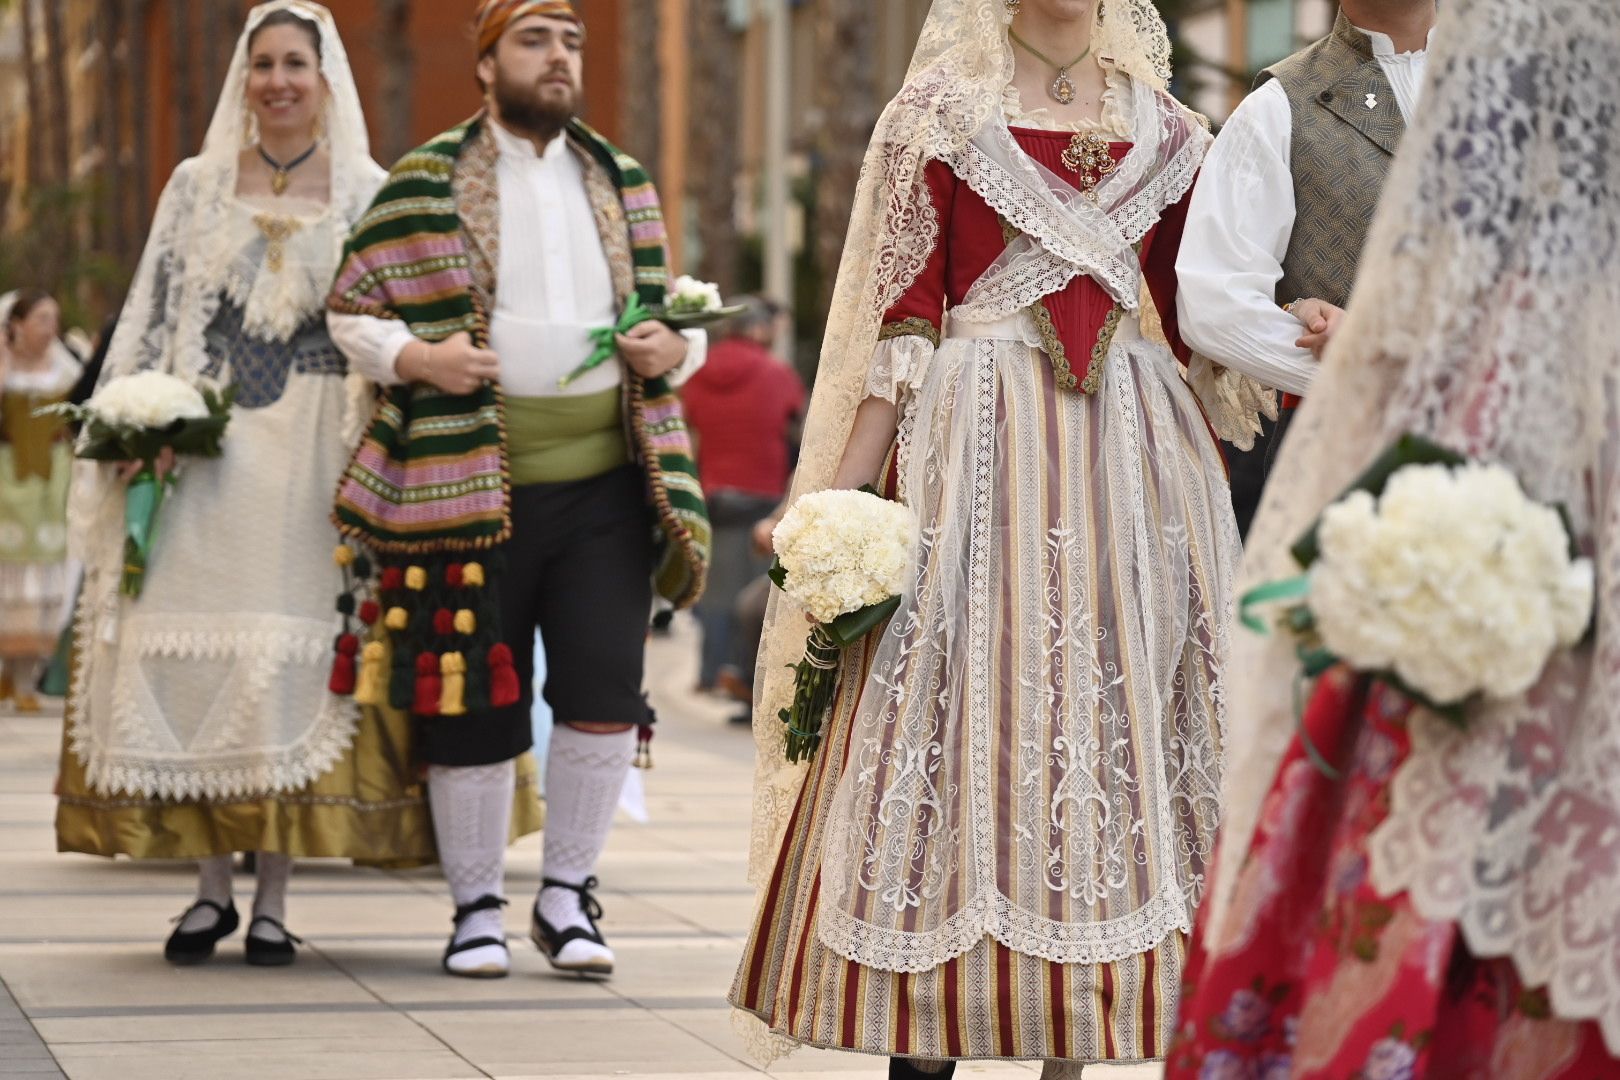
(91, 998)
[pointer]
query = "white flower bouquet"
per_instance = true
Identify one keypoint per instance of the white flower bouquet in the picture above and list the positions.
(1440, 576)
(845, 556)
(135, 418)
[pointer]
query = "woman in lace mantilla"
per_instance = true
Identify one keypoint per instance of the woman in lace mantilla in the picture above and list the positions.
(199, 720)
(1450, 908)
(998, 850)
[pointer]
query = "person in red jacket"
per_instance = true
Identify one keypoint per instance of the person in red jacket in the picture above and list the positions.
(743, 407)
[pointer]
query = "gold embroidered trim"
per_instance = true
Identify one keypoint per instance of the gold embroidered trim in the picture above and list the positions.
(1054, 348)
(915, 326)
(1055, 352)
(1099, 351)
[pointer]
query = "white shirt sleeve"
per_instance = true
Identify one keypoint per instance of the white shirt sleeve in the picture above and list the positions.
(697, 354)
(372, 345)
(1238, 228)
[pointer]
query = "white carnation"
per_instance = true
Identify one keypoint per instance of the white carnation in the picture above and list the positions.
(689, 295)
(1454, 580)
(845, 550)
(147, 399)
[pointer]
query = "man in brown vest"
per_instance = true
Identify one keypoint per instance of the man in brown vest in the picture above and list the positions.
(1282, 208)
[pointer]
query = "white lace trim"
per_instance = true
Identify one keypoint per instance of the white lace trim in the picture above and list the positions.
(899, 365)
(1116, 109)
(993, 915)
(228, 774)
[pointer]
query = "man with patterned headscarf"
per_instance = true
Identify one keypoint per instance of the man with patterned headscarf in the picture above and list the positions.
(1285, 200)
(485, 282)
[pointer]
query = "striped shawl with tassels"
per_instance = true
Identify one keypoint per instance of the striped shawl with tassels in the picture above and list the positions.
(430, 478)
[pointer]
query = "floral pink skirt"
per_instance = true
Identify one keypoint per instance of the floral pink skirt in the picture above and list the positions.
(1331, 981)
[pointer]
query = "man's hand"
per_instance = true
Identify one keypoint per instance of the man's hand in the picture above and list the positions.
(1321, 321)
(652, 349)
(764, 541)
(454, 365)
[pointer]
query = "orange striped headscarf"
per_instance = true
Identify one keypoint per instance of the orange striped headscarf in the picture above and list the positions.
(494, 16)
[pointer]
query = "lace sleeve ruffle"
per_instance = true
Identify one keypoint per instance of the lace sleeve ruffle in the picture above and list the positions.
(899, 365)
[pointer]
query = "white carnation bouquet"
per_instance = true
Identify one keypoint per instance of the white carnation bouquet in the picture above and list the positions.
(845, 556)
(1440, 576)
(135, 418)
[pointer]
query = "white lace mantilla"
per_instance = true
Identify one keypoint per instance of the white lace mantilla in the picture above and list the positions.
(1483, 320)
(212, 684)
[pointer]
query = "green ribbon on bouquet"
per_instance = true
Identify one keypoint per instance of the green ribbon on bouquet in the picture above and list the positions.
(604, 338)
(143, 498)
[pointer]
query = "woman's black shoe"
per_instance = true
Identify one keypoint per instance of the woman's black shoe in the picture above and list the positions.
(263, 952)
(186, 947)
(902, 1069)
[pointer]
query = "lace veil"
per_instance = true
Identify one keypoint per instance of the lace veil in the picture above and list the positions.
(177, 288)
(1482, 319)
(953, 88)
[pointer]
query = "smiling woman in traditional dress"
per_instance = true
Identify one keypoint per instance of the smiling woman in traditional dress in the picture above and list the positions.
(199, 721)
(997, 851)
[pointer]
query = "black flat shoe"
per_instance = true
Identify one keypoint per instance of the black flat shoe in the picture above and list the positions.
(902, 1069)
(262, 952)
(187, 947)
(552, 942)
(495, 968)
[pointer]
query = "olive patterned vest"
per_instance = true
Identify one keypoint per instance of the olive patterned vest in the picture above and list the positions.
(1346, 126)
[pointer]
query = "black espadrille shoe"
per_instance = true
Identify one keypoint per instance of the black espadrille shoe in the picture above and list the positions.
(574, 949)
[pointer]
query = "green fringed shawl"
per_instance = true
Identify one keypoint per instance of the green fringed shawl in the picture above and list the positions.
(431, 478)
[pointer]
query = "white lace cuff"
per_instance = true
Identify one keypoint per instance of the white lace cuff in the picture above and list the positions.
(1233, 401)
(898, 366)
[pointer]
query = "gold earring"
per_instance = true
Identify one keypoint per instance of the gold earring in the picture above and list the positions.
(1013, 6)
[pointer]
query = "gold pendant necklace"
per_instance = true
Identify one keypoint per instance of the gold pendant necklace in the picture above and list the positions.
(1062, 89)
(1091, 157)
(279, 173)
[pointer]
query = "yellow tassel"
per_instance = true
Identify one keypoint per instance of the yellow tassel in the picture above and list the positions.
(453, 673)
(396, 619)
(466, 622)
(343, 555)
(415, 578)
(472, 575)
(371, 688)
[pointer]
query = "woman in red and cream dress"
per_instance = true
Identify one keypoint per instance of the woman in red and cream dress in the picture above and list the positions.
(997, 850)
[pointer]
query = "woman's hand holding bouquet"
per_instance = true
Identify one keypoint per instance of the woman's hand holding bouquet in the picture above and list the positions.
(144, 421)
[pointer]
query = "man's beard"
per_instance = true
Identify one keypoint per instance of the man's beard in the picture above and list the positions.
(523, 109)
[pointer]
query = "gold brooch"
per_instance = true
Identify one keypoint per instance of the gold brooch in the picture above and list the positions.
(1089, 155)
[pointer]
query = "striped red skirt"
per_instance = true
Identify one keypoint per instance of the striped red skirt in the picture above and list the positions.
(990, 1002)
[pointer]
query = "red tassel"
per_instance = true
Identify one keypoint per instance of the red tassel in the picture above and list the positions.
(369, 611)
(342, 681)
(444, 622)
(452, 575)
(503, 681)
(393, 577)
(343, 670)
(428, 686)
(644, 738)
